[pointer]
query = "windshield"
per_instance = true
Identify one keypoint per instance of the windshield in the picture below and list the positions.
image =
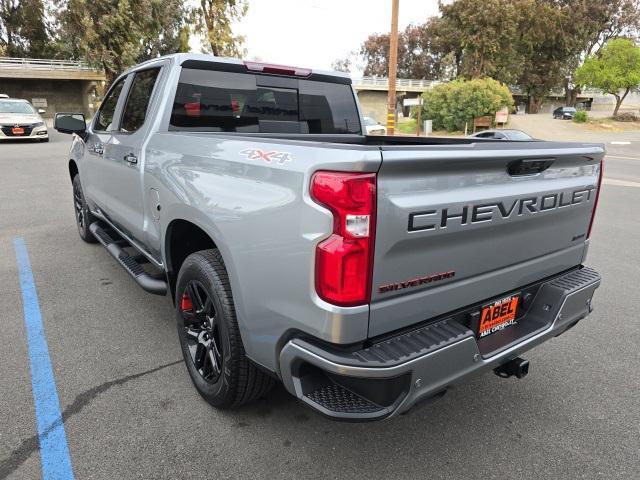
(518, 135)
(569, 109)
(16, 107)
(370, 122)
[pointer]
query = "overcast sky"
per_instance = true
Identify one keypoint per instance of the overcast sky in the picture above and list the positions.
(314, 33)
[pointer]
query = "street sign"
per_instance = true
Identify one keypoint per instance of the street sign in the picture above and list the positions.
(39, 102)
(502, 115)
(412, 102)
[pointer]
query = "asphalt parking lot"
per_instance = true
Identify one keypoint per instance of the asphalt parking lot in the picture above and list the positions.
(130, 411)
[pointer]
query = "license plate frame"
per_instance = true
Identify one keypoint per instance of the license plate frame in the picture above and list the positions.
(17, 131)
(497, 315)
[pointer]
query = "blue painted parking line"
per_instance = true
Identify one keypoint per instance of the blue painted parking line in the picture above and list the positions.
(54, 452)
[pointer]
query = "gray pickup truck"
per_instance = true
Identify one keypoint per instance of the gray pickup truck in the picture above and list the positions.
(366, 273)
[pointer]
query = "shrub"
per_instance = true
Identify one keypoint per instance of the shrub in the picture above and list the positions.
(580, 116)
(626, 117)
(451, 105)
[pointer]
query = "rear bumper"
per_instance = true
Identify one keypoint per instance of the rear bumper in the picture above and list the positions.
(393, 375)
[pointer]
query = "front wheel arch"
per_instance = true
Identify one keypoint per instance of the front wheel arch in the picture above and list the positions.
(73, 169)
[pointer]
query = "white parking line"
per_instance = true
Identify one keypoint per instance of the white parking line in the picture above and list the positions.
(624, 157)
(620, 183)
(620, 143)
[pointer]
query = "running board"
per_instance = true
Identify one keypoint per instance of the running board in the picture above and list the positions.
(128, 262)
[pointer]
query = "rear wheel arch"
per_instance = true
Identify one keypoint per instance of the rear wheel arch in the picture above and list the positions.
(181, 239)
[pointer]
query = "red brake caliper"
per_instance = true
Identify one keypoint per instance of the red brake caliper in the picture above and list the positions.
(185, 303)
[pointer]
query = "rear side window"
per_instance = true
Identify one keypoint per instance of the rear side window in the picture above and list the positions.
(140, 92)
(237, 102)
(104, 118)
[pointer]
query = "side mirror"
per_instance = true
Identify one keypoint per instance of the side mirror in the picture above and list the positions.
(70, 123)
(41, 111)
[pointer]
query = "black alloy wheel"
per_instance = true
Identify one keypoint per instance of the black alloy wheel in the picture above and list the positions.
(78, 204)
(210, 337)
(201, 324)
(84, 218)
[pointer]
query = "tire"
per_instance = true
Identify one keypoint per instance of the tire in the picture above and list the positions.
(44, 140)
(209, 335)
(84, 218)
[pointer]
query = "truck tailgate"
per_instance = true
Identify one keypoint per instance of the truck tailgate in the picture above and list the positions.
(460, 224)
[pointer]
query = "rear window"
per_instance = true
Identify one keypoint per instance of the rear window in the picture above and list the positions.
(238, 102)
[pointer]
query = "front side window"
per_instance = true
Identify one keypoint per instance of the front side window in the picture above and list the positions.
(104, 119)
(237, 102)
(138, 100)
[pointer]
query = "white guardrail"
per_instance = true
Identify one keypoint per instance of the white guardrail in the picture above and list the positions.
(43, 64)
(382, 82)
(400, 82)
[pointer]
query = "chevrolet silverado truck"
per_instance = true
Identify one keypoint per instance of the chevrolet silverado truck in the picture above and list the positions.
(366, 273)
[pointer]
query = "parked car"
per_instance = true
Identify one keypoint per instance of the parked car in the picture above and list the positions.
(19, 120)
(505, 134)
(564, 113)
(372, 127)
(248, 193)
(4, 95)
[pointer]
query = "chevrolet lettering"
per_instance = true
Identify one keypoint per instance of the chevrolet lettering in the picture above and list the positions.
(487, 212)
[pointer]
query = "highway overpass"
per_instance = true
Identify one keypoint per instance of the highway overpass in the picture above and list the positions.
(55, 85)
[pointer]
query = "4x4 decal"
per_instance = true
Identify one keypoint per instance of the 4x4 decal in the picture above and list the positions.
(279, 158)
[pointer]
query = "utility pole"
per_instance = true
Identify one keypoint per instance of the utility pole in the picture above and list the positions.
(393, 63)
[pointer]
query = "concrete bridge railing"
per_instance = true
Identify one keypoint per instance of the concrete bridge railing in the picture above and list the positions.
(43, 64)
(416, 85)
(402, 84)
(11, 67)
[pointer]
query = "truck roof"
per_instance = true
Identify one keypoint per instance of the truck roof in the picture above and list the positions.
(181, 58)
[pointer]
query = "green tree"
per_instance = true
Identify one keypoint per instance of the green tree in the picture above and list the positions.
(593, 25)
(419, 53)
(544, 55)
(615, 69)
(483, 35)
(115, 34)
(166, 29)
(23, 29)
(452, 105)
(105, 33)
(217, 17)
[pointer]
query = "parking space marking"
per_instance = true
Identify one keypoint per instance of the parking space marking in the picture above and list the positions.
(54, 452)
(620, 183)
(624, 157)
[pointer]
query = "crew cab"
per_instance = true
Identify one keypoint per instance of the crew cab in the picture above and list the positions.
(366, 273)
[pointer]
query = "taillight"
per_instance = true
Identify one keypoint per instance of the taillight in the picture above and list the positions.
(192, 109)
(344, 261)
(595, 202)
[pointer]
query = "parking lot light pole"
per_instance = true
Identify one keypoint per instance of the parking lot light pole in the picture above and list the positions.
(393, 61)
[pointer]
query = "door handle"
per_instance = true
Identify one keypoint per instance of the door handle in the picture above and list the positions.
(131, 159)
(98, 148)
